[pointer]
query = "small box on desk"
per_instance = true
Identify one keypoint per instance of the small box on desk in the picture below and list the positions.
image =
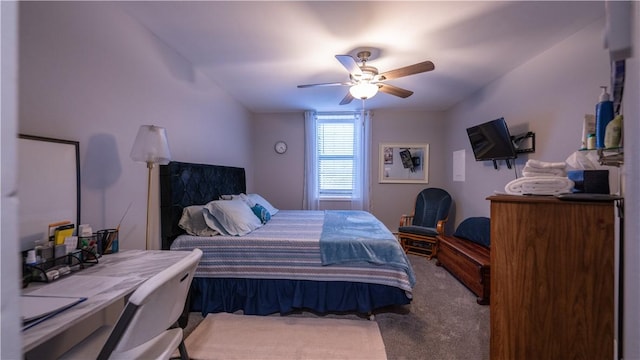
(590, 181)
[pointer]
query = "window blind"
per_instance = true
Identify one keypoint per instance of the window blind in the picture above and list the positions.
(336, 149)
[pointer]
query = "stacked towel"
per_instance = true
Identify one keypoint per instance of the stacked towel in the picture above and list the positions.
(541, 168)
(541, 178)
(539, 185)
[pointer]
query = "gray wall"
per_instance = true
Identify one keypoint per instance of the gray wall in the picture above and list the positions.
(281, 177)
(548, 95)
(10, 341)
(89, 73)
(389, 201)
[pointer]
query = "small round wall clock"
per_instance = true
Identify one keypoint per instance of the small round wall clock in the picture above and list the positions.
(280, 147)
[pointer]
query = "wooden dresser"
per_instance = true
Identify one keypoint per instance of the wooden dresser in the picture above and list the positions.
(552, 278)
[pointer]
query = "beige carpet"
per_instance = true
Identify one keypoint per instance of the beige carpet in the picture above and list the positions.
(233, 336)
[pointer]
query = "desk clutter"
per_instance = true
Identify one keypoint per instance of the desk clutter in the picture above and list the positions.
(106, 286)
(58, 266)
(65, 253)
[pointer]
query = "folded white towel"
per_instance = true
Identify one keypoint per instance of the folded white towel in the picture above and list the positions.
(539, 185)
(545, 165)
(529, 171)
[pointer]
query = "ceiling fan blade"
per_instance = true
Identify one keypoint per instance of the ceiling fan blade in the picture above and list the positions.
(326, 84)
(408, 70)
(347, 99)
(394, 90)
(350, 64)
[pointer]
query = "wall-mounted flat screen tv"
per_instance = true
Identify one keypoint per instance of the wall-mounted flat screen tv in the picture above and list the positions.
(491, 141)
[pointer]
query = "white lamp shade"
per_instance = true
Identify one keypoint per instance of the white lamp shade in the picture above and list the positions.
(364, 90)
(151, 145)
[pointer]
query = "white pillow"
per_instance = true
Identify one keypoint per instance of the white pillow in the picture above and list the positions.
(253, 199)
(257, 199)
(212, 222)
(235, 216)
(193, 222)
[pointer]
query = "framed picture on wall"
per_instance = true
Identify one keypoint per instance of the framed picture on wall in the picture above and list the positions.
(403, 163)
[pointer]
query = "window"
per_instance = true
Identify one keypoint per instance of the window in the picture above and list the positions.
(336, 160)
(335, 139)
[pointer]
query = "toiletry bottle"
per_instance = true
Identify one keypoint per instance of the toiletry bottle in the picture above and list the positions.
(591, 141)
(613, 133)
(588, 128)
(604, 114)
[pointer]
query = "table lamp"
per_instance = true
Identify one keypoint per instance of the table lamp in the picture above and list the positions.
(151, 147)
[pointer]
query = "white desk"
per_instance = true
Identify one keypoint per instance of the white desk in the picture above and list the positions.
(54, 336)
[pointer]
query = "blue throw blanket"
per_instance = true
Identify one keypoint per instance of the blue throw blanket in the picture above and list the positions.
(351, 236)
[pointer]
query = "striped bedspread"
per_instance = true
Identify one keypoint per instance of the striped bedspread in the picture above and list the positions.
(287, 247)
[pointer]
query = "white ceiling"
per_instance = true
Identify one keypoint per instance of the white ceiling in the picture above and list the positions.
(260, 51)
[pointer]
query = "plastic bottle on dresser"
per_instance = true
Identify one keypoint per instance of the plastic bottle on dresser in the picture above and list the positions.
(613, 134)
(604, 114)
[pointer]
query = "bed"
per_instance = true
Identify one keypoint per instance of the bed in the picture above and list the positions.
(283, 266)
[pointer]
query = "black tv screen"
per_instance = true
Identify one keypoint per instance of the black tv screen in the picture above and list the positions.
(491, 141)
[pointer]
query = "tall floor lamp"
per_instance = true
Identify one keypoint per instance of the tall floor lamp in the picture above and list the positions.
(151, 147)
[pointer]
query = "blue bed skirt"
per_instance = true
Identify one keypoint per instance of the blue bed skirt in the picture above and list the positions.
(265, 296)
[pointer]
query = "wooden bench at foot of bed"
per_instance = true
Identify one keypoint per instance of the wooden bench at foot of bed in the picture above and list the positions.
(468, 262)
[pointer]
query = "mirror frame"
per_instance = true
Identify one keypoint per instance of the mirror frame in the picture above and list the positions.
(34, 164)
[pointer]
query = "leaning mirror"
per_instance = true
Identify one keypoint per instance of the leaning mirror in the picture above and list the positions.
(48, 186)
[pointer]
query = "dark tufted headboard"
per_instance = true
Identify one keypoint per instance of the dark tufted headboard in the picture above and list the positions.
(183, 184)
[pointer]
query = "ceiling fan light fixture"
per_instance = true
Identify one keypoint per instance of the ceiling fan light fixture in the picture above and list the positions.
(363, 90)
(365, 81)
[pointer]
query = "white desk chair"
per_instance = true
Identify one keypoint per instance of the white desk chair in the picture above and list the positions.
(146, 327)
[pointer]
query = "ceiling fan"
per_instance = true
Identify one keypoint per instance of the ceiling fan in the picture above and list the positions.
(365, 81)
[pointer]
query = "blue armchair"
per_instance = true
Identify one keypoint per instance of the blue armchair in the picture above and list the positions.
(417, 232)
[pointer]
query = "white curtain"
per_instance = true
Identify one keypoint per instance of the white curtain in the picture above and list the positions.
(310, 200)
(361, 163)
